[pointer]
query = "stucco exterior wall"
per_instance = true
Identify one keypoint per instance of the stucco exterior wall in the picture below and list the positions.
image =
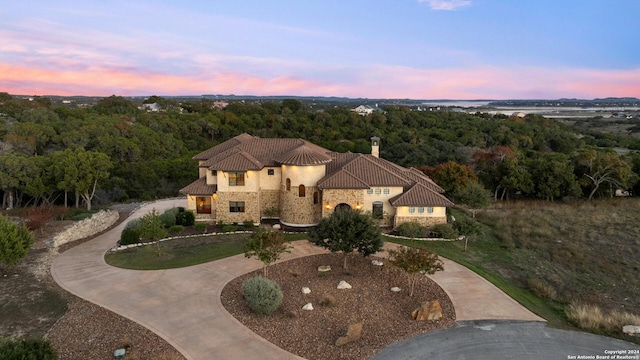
(305, 175)
(270, 182)
(387, 209)
(211, 180)
(202, 171)
(251, 182)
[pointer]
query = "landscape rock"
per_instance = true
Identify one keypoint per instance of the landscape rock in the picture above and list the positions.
(344, 285)
(377, 262)
(324, 268)
(429, 310)
(307, 307)
(633, 330)
(306, 290)
(354, 332)
(98, 222)
(276, 226)
(396, 289)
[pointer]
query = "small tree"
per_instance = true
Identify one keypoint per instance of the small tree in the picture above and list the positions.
(475, 196)
(151, 228)
(346, 231)
(267, 246)
(415, 262)
(15, 241)
(467, 228)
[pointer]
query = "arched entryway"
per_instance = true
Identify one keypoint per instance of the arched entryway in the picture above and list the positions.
(342, 206)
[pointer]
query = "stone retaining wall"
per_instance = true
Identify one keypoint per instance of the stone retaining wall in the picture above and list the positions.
(100, 221)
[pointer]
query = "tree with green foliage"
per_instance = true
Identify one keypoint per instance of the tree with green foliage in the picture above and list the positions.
(595, 168)
(266, 246)
(16, 171)
(415, 262)
(15, 241)
(92, 168)
(151, 228)
(553, 176)
(475, 196)
(346, 231)
(452, 177)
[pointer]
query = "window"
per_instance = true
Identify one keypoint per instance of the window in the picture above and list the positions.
(288, 184)
(378, 191)
(386, 191)
(236, 206)
(369, 191)
(420, 210)
(203, 205)
(412, 209)
(270, 172)
(236, 179)
(316, 198)
(430, 210)
(301, 191)
(377, 210)
(214, 172)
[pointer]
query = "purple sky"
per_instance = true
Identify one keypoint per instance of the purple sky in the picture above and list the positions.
(420, 49)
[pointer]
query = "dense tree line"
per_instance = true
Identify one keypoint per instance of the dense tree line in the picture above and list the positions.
(112, 151)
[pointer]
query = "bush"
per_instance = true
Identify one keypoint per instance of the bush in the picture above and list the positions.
(542, 289)
(201, 227)
(175, 229)
(248, 224)
(411, 229)
(229, 228)
(445, 231)
(130, 236)
(26, 349)
(262, 295)
(133, 224)
(169, 217)
(185, 218)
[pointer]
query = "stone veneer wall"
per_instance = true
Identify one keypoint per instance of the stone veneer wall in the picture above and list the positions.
(269, 199)
(333, 197)
(299, 210)
(422, 220)
(251, 207)
(100, 221)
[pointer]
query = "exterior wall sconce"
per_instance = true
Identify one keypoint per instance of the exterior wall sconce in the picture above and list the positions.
(358, 206)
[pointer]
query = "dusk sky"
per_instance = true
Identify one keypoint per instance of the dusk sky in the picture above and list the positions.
(419, 49)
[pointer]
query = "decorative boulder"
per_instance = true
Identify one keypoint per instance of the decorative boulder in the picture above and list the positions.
(307, 307)
(276, 226)
(344, 285)
(429, 310)
(377, 262)
(324, 268)
(396, 289)
(633, 330)
(353, 333)
(306, 290)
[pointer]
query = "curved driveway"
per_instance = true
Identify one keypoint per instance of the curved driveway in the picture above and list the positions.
(183, 305)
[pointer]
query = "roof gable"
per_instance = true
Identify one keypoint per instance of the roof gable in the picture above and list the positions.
(420, 195)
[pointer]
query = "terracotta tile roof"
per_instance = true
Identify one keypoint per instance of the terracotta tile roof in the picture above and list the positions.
(420, 195)
(238, 161)
(303, 155)
(342, 180)
(233, 142)
(199, 187)
(368, 169)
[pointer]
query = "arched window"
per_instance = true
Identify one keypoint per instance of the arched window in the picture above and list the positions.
(316, 197)
(288, 184)
(301, 191)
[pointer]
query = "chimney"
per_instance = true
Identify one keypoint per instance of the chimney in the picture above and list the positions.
(375, 146)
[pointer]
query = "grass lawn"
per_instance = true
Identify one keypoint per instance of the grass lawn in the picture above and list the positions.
(182, 252)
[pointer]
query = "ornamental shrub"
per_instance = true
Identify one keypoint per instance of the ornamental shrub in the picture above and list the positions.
(168, 217)
(411, 229)
(185, 218)
(445, 231)
(262, 295)
(11, 349)
(175, 229)
(201, 227)
(248, 224)
(130, 236)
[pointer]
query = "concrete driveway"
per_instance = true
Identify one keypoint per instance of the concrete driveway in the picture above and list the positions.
(183, 305)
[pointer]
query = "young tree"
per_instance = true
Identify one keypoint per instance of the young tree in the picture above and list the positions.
(151, 228)
(14, 241)
(267, 246)
(415, 262)
(475, 196)
(346, 231)
(92, 168)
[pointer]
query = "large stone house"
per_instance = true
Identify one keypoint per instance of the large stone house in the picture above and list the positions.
(252, 178)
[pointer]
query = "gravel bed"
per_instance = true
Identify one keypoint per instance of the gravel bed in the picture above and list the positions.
(88, 331)
(312, 334)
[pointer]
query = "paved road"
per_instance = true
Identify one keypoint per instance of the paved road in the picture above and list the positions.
(494, 340)
(183, 305)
